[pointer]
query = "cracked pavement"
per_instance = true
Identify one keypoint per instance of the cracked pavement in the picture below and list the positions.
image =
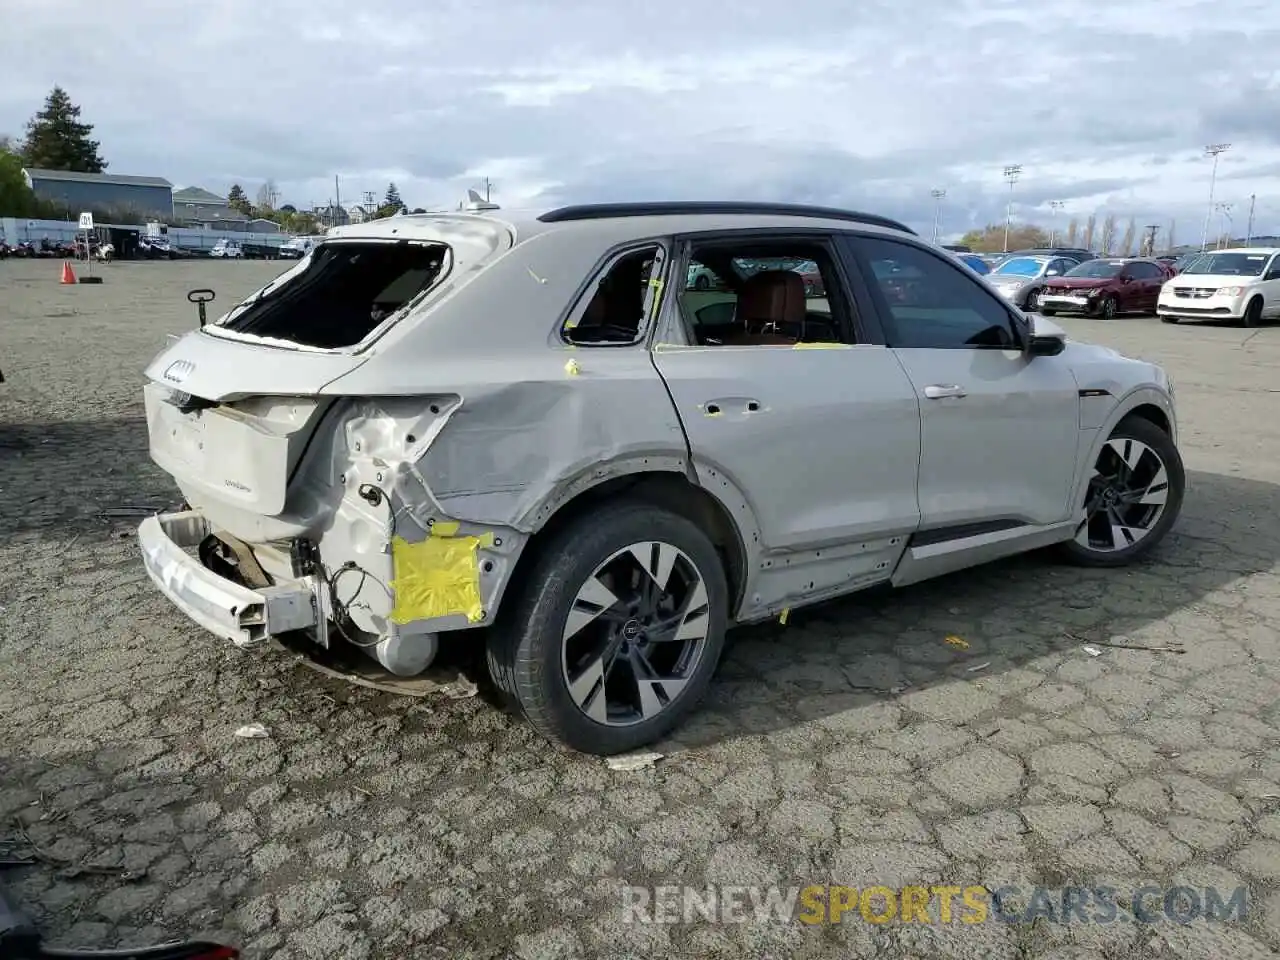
(853, 745)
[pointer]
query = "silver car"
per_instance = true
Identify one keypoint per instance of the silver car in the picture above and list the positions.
(1022, 279)
(536, 431)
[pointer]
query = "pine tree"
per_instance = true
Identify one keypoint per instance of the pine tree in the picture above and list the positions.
(392, 200)
(238, 200)
(57, 140)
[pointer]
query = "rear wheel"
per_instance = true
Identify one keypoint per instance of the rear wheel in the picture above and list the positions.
(1133, 498)
(1033, 301)
(1048, 313)
(1164, 319)
(1253, 312)
(617, 631)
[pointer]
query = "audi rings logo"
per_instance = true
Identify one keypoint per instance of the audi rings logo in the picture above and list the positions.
(178, 371)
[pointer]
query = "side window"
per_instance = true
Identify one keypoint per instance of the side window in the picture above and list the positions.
(763, 292)
(1061, 265)
(616, 308)
(1143, 271)
(928, 303)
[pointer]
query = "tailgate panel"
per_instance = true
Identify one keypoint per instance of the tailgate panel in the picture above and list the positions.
(242, 455)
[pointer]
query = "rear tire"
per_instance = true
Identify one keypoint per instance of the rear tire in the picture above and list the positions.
(573, 646)
(1048, 313)
(1168, 319)
(1142, 469)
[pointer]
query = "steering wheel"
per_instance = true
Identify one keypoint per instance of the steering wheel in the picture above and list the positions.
(781, 328)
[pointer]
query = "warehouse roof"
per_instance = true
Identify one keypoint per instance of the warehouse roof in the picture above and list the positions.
(70, 176)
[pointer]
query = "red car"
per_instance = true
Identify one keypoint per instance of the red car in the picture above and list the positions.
(1105, 288)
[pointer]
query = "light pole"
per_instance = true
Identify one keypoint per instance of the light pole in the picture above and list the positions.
(1212, 150)
(1011, 174)
(1248, 235)
(1054, 207)
(938, 197)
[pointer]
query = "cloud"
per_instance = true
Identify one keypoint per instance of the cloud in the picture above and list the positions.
(1106, 108)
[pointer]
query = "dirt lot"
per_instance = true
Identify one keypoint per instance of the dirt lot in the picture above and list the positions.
(853, 745)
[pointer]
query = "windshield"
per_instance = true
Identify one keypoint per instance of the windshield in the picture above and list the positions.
(1021, 267)
(1096, 269)
(1229, 264)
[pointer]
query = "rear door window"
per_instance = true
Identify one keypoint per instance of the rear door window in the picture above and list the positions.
(341, 294)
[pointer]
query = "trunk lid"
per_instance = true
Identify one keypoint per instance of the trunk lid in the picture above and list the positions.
(241, 453)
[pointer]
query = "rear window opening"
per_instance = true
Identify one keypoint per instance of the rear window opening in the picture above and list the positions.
(342, 294)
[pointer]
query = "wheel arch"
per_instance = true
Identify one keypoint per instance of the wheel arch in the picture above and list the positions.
(1148, 403)
(667, 488)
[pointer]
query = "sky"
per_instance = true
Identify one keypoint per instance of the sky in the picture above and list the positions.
(866, 104)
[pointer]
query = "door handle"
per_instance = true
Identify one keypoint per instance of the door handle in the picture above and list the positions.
(943, 391)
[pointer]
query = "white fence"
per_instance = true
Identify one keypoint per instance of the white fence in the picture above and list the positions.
(14, 230)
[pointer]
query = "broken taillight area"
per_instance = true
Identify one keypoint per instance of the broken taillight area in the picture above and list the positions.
(345, 292)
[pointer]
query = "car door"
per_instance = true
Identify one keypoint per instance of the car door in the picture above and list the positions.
(822, 442)
(999, 429)
(1271, 288)
(1149, 279)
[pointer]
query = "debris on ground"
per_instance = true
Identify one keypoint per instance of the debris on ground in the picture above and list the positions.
(958, 642)
(978, 666)
(632, 761)
(253, 731)
(460, 689)
(1091, 650)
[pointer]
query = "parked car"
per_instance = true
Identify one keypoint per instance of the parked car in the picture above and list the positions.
(700, 278)
(227, 250)
(1078, 254)
(296, 248)
(516, 430)
(1022, 278)
(1240, 284)
(1106, 288)
(975, 263)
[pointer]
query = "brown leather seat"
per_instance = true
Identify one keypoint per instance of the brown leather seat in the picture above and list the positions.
(769, 297)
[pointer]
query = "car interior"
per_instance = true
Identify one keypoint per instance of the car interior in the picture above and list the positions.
(759, 296)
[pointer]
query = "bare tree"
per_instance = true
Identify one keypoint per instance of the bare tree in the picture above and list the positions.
(1090, 228)
(1073, 232)
(1169, 240)
(268, 196)
(1108, 234)
(1130, 234)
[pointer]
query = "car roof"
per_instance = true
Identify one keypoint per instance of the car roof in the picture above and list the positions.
(614, 222)
(1244, 250)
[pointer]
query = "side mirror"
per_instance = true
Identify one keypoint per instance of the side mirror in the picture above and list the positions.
(1045, 345)
(1053, 272)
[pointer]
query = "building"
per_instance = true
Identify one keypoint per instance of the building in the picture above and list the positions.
(122, 198)
(199, 206)
(331, 216)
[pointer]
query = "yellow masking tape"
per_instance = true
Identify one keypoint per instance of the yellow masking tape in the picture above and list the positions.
(821, 346)
(438, 577)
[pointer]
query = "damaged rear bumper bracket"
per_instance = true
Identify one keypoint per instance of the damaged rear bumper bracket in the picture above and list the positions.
(234, 612)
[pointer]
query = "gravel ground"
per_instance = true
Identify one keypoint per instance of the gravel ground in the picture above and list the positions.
(853, 745)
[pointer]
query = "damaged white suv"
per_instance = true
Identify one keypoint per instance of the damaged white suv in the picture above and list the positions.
(535, 428)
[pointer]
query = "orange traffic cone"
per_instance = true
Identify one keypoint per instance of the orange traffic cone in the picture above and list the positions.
(68, 275)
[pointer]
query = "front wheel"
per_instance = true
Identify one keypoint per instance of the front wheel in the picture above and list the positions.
(1107, 309)
(1133, 498)
(1253, 313)
(617, 631)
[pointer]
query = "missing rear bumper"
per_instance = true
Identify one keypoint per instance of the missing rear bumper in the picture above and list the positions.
(225, 608)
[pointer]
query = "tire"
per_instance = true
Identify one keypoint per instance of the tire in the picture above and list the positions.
(1253, 313)
(1107, 309)
(1168, 319)
(1048, 313)
(1135, 430)
(1032, 303)
(529, 646)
